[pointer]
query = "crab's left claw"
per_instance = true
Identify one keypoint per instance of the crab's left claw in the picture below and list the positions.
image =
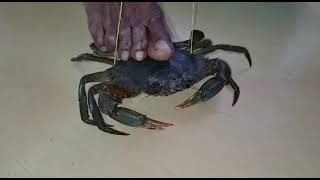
(191, 101)
(213, 86)
(208, 90)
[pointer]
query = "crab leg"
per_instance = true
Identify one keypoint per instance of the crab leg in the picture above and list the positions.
(197, 37)
(95, 111)
(95, 77)
(92, 57)
(225, 47)
(123, 115)
(214, 85)
(96, 56)
(200, 45)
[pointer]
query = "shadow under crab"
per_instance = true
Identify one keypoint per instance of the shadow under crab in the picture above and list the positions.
(127, 79)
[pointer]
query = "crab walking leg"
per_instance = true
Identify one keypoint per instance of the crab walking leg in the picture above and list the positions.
(95, 77)
(214, 85)
(123, 115)
(92, 57)
(197, 37)
(200, 45)
(225, 47)
(236, 89)
(95, 111)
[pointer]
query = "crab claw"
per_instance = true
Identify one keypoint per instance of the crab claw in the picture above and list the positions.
(154, 124)
(207, 91)
(210, 89)
(134, 119)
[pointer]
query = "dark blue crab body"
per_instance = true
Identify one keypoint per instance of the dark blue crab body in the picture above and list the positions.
(160, 78)
(126, 79)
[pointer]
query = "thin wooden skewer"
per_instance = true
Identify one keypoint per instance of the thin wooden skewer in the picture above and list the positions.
(117, 38)
(193, 26)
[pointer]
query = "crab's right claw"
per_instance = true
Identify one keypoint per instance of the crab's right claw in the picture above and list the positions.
(197, 36)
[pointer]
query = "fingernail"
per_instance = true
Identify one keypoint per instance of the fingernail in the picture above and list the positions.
(124, 55)
(139, 55)
(103, 49)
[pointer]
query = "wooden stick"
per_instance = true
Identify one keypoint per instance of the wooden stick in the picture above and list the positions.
(117, 39)
(193, 26)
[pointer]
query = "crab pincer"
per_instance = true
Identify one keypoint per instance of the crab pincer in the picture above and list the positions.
(134, 119)
(214, 85)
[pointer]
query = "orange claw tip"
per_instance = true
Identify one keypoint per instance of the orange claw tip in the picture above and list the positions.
(183, 105)
(179, 107)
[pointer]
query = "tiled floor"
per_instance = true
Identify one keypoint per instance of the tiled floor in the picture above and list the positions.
(273, 131)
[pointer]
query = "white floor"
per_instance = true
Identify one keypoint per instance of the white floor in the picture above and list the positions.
(273, 131)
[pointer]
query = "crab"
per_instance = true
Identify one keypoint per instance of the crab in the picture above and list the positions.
(127, 79)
